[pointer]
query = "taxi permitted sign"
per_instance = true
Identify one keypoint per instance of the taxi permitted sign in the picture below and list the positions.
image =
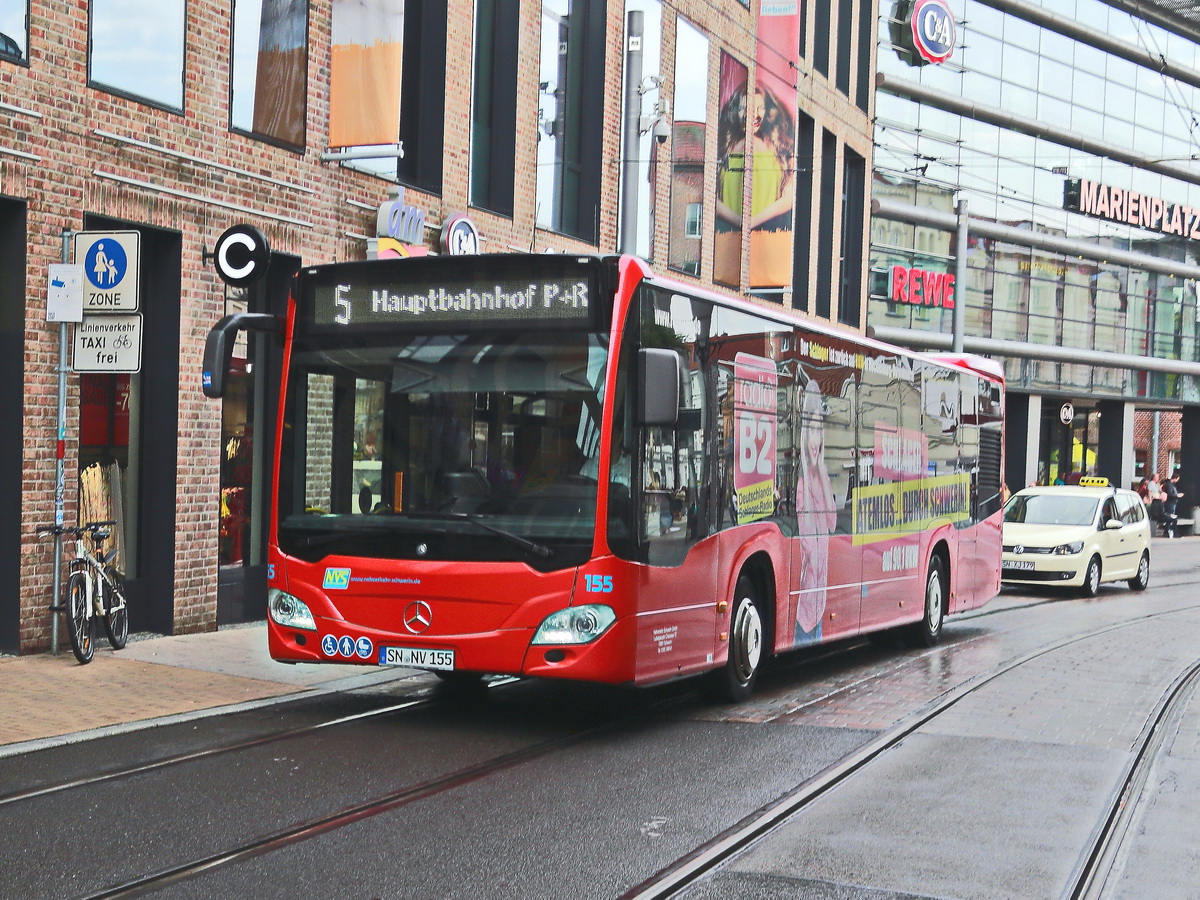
(110, 261)
(108, 343)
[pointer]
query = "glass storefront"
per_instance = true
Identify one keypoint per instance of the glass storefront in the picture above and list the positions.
(932, 157)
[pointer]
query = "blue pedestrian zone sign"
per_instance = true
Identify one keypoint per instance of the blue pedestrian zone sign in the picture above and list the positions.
(110, 261)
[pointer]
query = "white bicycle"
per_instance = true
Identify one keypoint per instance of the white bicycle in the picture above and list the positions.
(95, 590)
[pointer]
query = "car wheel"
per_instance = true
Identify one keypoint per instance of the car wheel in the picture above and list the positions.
(1091, 578)
(1142, 580)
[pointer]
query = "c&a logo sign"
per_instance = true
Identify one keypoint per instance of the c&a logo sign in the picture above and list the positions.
(923, 31)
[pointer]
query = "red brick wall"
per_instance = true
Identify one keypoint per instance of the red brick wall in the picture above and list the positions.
(82, 172)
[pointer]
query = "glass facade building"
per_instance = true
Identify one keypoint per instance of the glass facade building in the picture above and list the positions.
(1071, 128)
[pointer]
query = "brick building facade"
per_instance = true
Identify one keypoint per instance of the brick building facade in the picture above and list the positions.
(78, 153)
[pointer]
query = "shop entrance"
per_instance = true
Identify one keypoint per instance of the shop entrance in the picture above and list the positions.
(128, 436)
(1069, 440)
(12, 410)
(247, 432)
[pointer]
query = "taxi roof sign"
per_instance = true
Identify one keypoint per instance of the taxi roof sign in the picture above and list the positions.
(1094, 481)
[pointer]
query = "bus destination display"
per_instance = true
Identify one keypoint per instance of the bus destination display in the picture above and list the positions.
(494, 301)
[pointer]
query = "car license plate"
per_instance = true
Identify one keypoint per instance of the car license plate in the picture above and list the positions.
(417, 658)
(1023, 564)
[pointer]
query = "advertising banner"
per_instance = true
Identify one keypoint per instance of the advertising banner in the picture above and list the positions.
(364, 75)
(756, 412)
(731, 172)
(772, 112)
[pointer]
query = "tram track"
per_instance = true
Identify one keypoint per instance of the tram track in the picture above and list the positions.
(1097, 858)
(671, 881)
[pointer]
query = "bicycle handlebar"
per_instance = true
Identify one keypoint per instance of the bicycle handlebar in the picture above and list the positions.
(78, 530)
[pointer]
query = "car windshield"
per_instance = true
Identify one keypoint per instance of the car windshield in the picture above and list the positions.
(1051, 509)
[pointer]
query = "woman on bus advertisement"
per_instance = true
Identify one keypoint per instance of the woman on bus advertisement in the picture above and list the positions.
(816, 513)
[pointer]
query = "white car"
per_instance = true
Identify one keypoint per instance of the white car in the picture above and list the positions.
(1076, 536)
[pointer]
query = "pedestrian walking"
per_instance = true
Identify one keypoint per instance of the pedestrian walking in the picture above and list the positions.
(1171, 495)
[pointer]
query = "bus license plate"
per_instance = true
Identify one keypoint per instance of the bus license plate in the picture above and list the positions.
(417, 658)
(1024, 564)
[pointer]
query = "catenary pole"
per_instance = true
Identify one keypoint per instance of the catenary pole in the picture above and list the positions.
(633, 117)
(959, 321)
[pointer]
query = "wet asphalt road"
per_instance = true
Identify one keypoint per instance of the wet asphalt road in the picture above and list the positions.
(543, 790)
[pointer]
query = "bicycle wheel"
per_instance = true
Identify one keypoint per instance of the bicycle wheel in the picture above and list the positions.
(116, 614)
(79, 618)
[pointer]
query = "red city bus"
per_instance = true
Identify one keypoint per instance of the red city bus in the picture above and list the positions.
(570, 467)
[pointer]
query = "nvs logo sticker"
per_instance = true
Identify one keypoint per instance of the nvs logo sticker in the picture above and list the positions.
(336, 579)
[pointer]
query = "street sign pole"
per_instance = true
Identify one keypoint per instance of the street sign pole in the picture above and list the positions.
(60, 465)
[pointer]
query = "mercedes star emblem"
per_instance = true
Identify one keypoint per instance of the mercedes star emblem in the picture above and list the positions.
(418, 616)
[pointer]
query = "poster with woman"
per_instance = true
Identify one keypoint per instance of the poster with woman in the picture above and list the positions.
(772, 112)
(731, 172)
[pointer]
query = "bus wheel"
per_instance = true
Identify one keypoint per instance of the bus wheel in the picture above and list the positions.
(734, 682)
(928, 631)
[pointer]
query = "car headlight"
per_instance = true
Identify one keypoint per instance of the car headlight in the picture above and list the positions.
(1068, 549)
(289, 612)
(577, 625)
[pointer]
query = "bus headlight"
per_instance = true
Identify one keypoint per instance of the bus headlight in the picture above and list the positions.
(577, 625)
(289, 612)
(1068, 549)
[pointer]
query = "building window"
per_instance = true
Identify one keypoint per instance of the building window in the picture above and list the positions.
(137, 50)
(821, 28)
(14, 34)
(570, 133)
(844, 44)
(825, 235)
(854, 176)
(494, 110)
(866, 21)
(688, 143)
(802, 249)
(270, 70)
(387, 85)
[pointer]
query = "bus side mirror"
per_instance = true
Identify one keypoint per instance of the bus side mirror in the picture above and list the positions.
(218, 348)
(658, 380)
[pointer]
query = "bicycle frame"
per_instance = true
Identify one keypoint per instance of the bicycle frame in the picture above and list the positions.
(94, 590)
(93, 569)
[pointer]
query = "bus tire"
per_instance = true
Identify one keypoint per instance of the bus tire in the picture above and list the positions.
(734, 682)
(928, 631)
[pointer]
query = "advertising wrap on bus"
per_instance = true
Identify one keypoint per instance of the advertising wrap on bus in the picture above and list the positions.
(569, 467)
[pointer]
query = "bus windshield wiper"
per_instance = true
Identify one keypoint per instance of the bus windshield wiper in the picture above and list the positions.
(540, 550)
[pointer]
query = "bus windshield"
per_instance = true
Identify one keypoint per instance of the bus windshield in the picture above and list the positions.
(479, 447)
